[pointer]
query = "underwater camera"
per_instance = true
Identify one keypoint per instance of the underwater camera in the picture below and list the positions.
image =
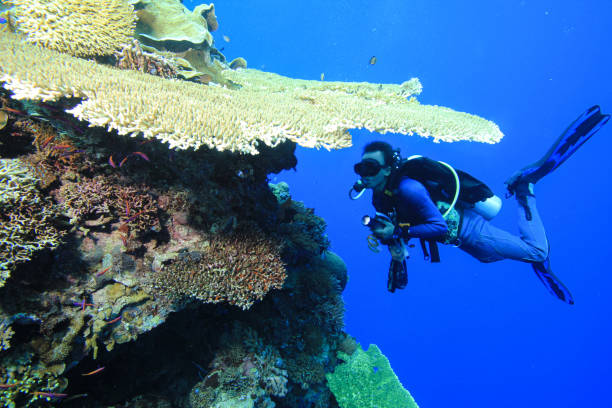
(374, 222)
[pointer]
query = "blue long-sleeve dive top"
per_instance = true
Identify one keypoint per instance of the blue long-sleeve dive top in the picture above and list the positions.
(413, 205)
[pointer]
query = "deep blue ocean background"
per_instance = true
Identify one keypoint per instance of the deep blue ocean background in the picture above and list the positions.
(465, 334)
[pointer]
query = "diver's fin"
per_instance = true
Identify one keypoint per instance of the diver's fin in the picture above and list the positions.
(552, 283)
(585, 126)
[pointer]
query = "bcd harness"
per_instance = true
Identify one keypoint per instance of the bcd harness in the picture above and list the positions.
(450, 189)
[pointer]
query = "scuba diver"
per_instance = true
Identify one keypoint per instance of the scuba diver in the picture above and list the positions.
(429, 200)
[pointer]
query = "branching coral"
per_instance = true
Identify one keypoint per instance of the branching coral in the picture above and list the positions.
(238, 269)
(267, 108)
(237, 376)
(6, 333)
(26, 384)
(76, 27)
(97, 201)
(26, 218)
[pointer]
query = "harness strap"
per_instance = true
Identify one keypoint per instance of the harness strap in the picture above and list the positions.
(433, 250)
(435, 253)
(424, 249)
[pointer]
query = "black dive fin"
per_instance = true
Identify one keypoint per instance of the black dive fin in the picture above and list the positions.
(552, 283)
(574, 136)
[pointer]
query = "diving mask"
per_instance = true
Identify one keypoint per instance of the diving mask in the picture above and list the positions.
(368, 168)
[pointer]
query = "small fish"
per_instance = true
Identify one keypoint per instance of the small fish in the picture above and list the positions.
(47, 141)
(102, 272)
(96, 371)
(49, 394)
(111, 162)
(322, 76)
(141, 154)
(72, 152)
(115, 320)
(372, 60)
(133, 217)
(226, 38)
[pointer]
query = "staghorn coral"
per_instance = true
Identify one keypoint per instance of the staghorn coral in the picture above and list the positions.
(76, 27)
(238, 269)
(267, 108)
(26, 218)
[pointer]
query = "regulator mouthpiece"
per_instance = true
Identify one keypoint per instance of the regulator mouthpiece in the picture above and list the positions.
(357, 190)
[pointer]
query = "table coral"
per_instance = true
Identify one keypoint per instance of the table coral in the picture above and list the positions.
(76, 27)
(262, 108)
(26, 217)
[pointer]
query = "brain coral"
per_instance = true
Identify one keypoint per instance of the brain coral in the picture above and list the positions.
(266, 108)
(76, 27)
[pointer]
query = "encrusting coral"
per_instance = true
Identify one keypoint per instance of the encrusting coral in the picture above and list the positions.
(26, 217)
(268, 108)
(366, 379)
(76, 27)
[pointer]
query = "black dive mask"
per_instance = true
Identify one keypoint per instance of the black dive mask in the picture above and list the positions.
(368, 167)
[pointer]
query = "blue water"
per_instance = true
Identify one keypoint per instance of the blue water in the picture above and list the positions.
(465, 334)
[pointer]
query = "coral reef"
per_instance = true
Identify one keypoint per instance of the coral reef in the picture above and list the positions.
(3, 119)
(238, 269)
(6, 332)
(75, 27)
(167, 24)
(184, 278)
(26, 217)
(267, 108)
(241, 376)
(132, 57)
(366, 379)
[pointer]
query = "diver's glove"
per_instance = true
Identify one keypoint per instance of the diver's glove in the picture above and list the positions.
(398, 275)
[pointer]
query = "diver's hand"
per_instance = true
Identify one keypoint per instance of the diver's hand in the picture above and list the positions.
(385, 232)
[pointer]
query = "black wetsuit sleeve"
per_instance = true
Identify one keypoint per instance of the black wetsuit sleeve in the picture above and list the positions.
(414, 198)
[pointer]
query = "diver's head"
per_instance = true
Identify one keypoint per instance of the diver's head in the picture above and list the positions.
(375, 165)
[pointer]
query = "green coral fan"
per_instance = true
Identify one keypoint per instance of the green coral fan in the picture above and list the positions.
(367, 380)
(26, 218)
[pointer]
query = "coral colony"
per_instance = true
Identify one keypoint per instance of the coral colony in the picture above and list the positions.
(144, 258)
